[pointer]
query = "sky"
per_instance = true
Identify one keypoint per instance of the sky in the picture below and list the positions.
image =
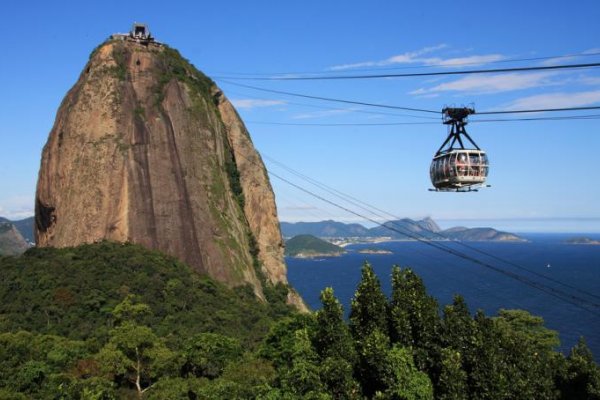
(543, 176)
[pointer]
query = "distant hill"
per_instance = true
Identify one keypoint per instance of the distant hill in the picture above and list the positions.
(426, 228)
(25, 227)
(311, 246)
(323, 229)
(11, 241)
(480, 235)
(582, 240)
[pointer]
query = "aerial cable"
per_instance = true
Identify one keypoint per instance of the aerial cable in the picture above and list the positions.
(573, 300)
(415, 74)
(359, 203)
(361, 111)
(432, 65)
(306, 96)
(566, 118)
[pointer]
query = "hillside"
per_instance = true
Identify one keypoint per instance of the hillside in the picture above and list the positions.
(323, 229)
(311, 246)
(11, 241)
(72, 291)
(480, 235)
(153, 153)
(26, 227)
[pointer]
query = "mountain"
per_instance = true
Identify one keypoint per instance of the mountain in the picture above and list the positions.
(11, 241)
(27, 228)
(147, 149)
(426, 228)
(479, 235)
(310, 246)
(323, 229)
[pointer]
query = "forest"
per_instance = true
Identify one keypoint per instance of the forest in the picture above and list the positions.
(112, 321)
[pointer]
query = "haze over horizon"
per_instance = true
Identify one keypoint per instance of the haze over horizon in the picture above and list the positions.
(543, 173)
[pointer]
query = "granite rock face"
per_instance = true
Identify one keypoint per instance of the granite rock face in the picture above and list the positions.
(147, 149)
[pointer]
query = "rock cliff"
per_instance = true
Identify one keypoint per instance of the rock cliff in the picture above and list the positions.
(147, 149)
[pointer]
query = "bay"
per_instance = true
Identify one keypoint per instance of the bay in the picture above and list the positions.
(445, 275)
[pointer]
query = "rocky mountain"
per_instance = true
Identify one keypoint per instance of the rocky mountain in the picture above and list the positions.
(147, 149)
(425, 227)
(323, 229)
(11, 241)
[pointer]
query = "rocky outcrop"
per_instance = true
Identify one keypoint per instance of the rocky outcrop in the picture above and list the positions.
(147, 149)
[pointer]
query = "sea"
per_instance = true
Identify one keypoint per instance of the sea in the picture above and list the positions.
(543, 275)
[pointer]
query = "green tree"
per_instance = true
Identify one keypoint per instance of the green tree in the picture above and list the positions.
(134, 351)
(302, 376)
(528, 353)
(580, 377)
(332, 337)
(334, 345)
(207, 354)
(372, 366)
(403, 379)
(452, 382)
(414, 317)
(277, 346)
(369, 305)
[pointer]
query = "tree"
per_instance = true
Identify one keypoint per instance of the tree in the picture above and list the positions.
(580, 378)
(403, 379)
(302, 376)
(414, 317)
(372, 366)
(134, 351)
(333, 344)
(207, 354)
(332, 338)
(452, 382)
(368, 308)
(528, 353)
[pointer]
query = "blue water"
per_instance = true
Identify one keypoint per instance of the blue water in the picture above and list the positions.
(445, 275)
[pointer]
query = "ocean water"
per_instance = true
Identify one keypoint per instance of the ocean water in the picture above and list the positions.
(445, 275)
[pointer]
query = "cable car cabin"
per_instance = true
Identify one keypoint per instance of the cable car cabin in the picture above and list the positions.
(459, 169)
(456, 168)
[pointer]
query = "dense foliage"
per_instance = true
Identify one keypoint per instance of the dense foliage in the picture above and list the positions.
(109, 321)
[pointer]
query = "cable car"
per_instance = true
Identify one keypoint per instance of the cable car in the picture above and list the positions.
(455, 167)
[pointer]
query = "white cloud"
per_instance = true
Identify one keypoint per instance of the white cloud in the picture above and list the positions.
(492, 83)
(556, 100)
(254, 103)
(405, 58)
(16, 207)
(417, 57)
(470, 60)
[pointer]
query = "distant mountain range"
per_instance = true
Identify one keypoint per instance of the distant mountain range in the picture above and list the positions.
(24, 226)
(425, 228)
(11, 241)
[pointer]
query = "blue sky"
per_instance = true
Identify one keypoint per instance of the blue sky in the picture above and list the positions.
(542, 172)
